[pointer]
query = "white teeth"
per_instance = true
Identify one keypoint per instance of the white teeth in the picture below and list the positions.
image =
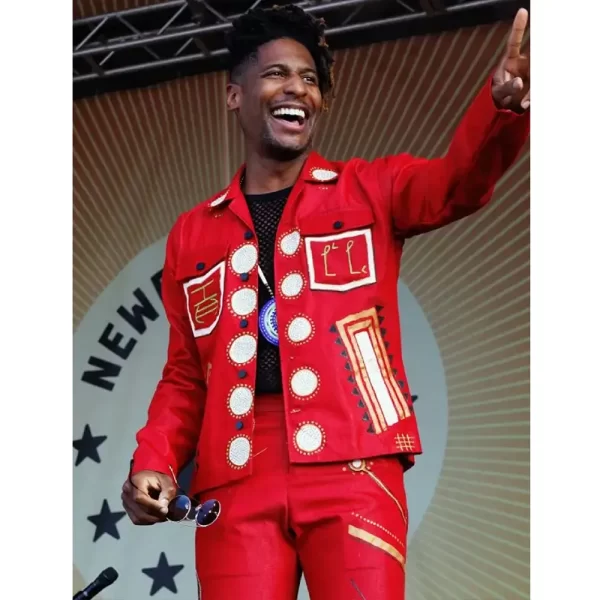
(293, 112)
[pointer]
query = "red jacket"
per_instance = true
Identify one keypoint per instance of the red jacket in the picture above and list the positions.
(337, 264)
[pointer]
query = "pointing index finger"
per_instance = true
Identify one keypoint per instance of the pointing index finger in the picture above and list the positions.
(516, 34)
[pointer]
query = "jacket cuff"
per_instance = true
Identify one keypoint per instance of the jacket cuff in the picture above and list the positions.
(147, 460)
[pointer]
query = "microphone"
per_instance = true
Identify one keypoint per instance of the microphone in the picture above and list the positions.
(106, 578)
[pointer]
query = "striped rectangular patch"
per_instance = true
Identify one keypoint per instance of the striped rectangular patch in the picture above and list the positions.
(361, 335)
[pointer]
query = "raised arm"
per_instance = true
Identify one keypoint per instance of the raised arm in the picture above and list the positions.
(427, 194)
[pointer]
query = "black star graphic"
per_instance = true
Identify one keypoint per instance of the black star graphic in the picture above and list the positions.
(87, 446)
(106, 521)
(163, 575)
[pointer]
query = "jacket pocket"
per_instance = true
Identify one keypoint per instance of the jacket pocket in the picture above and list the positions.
(339, 249)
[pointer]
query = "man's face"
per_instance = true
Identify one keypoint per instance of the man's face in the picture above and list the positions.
(277, 100)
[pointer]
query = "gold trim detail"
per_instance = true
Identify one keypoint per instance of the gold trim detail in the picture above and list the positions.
(369, 538)
(379, 526)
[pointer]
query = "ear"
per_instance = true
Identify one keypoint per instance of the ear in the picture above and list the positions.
(234, 92)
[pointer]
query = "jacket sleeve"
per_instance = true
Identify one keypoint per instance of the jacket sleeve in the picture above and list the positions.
(170, 434)
(427, 194)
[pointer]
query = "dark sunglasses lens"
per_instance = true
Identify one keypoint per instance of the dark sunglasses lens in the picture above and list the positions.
(179, 508)
(207, 513)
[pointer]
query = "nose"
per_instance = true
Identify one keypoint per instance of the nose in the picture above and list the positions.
(296, 85)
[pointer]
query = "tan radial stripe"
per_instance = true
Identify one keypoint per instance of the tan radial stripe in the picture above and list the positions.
(378, 119)
(419, 81)
(474, 251)
(456, 279)
(364, 81)
(519, 322)
(124, 203)
(377, 69)
(507, 312)
(479, 257)
(499, 288)
(518, 347)
(343, 107)
(490, 367)
(482, 417)
(454, 572)
(496, 515)
(500, 504)
(495, 563)
(441, 241)
(462, 410)
(486, 571)
(494, 335)
(409, 81)
(472, 75)
(482, 530)
(329, 124)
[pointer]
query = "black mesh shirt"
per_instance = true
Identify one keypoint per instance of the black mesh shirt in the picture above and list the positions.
(266, 211)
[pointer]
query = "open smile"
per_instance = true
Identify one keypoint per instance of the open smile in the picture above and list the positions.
(290, 119)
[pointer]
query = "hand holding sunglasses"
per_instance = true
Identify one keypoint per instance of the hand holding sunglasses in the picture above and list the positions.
(152, 498)
(183, 509)
(146, 496)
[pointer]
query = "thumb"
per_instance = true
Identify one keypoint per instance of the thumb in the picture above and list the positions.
(168, 491)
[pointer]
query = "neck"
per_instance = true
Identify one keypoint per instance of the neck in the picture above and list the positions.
(264, 175)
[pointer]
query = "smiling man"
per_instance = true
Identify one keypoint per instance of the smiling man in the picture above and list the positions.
(284, 379)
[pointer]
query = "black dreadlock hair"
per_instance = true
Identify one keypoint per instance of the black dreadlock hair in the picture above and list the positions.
(262, 25)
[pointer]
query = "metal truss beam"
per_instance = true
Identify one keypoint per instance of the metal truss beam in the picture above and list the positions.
(161, 39)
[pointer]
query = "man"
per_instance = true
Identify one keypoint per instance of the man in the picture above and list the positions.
(284, 379)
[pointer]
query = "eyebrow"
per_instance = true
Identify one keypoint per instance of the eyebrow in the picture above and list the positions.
(287, 68)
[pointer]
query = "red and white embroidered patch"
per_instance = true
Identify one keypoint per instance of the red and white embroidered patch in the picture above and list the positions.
(204, 300)
(342, 261)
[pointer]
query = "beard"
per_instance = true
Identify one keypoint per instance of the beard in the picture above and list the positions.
(283, 152)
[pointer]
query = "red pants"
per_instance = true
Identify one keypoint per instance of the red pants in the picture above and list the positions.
(343, 525)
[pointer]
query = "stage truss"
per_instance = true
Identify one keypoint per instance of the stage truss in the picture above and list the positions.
(144, 45)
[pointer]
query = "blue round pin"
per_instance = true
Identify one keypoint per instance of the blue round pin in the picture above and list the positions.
(267, 322)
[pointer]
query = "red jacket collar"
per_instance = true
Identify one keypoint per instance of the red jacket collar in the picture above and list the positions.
(316, 169)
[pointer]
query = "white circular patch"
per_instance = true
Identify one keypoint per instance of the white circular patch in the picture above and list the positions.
(356, 464)
(292, 285)
(239, 451)
(299, 330)
(290, 243)
(218, 200)
(244, 301)
(244, 259)
(240, 400)
(323, 174)
(242, 349)
(304, 382)
(309, 437)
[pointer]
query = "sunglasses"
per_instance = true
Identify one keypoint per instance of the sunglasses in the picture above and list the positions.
(186, 510)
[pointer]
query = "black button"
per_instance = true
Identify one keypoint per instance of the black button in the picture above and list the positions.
(244, 276)
(244, 323)
(338, 225)
(242, 373)
(239, 425)
(248, 235)
(200, 266)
